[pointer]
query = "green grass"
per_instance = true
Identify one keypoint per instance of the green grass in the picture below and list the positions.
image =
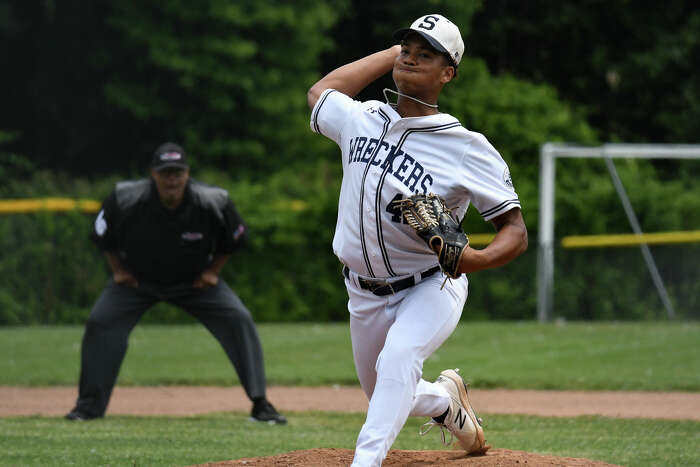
(629, 356)
(153, 441)
(606, 356)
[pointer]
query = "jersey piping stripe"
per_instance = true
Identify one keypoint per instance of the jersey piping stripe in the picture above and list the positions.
(365, 254)
(378, 209)
(377, 206)
(318, 107)
(500, 206)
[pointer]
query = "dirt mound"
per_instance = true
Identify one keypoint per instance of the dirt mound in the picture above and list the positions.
(343, 457)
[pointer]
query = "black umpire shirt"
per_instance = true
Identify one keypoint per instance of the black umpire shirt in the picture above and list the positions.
(163, 246)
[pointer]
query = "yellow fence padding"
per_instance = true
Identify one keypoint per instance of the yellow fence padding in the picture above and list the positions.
(18, 206)
(659, 238)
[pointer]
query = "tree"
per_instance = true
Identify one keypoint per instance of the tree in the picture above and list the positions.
(99, 85)
(631, 65)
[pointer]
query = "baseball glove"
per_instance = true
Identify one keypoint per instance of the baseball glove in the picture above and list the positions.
(431, 219)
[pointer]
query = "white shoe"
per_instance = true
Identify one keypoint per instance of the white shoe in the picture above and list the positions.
(461, 421)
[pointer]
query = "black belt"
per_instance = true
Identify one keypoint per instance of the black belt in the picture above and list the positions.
(382, 287)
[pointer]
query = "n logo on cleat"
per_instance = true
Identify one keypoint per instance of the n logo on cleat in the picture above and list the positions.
(460, 420)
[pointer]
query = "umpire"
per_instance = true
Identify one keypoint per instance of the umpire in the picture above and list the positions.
(166, 238)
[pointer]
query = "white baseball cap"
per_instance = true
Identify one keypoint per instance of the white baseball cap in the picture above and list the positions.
(442, 34)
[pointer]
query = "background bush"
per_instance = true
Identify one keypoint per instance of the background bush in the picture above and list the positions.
(97, 86)
(50, 272)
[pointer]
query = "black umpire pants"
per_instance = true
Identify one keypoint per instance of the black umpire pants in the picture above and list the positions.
(120, 307)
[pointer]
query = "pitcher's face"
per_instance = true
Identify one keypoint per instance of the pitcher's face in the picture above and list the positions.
(419, 69)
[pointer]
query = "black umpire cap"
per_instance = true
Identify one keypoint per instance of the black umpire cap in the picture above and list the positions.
(169, 155)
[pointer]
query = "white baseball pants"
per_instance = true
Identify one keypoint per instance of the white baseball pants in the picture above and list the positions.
(391, 338)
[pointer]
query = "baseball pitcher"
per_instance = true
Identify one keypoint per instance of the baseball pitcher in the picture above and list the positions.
(409, 174)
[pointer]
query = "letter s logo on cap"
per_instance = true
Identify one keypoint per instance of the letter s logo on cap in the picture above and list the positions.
(429, 22)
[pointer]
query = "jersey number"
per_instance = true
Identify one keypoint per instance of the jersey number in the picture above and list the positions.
(393, 208)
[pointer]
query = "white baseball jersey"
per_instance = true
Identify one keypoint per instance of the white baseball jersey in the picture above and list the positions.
(387, 158)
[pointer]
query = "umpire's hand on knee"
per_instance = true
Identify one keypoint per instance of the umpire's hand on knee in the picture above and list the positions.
(205, 280)
(124, 277)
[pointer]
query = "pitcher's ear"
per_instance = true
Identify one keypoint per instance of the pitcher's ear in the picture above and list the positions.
(448, 74)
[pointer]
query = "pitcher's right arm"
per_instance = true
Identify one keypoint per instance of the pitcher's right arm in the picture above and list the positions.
(352, 78)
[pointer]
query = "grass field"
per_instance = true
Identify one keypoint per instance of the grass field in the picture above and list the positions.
(153, 441)
(649, 356)
(629, 356)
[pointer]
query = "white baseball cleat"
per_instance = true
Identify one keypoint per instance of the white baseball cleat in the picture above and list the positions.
(461, 421)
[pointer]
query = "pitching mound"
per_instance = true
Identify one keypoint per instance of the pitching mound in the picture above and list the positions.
(343, 457)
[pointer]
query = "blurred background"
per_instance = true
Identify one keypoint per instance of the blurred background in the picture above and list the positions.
(90, 88)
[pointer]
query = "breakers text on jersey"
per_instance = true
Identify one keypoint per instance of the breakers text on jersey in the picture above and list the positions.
(362, 148)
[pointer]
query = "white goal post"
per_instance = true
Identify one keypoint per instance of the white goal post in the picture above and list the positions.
(549, 152)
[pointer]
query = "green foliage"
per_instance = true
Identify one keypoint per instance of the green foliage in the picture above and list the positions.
(238, 71)
(11, 164)
(45, 183)
(517, 118)
(587, 202)
(51, 272)
(289, 272)
(631, 66)
(229, 80)
(7, 136)
(505, 293)
(614, 283)
(516, 115)
(48, 274)
(226, 79)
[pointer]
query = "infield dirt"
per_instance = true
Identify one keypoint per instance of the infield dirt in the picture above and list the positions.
(193, 400)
